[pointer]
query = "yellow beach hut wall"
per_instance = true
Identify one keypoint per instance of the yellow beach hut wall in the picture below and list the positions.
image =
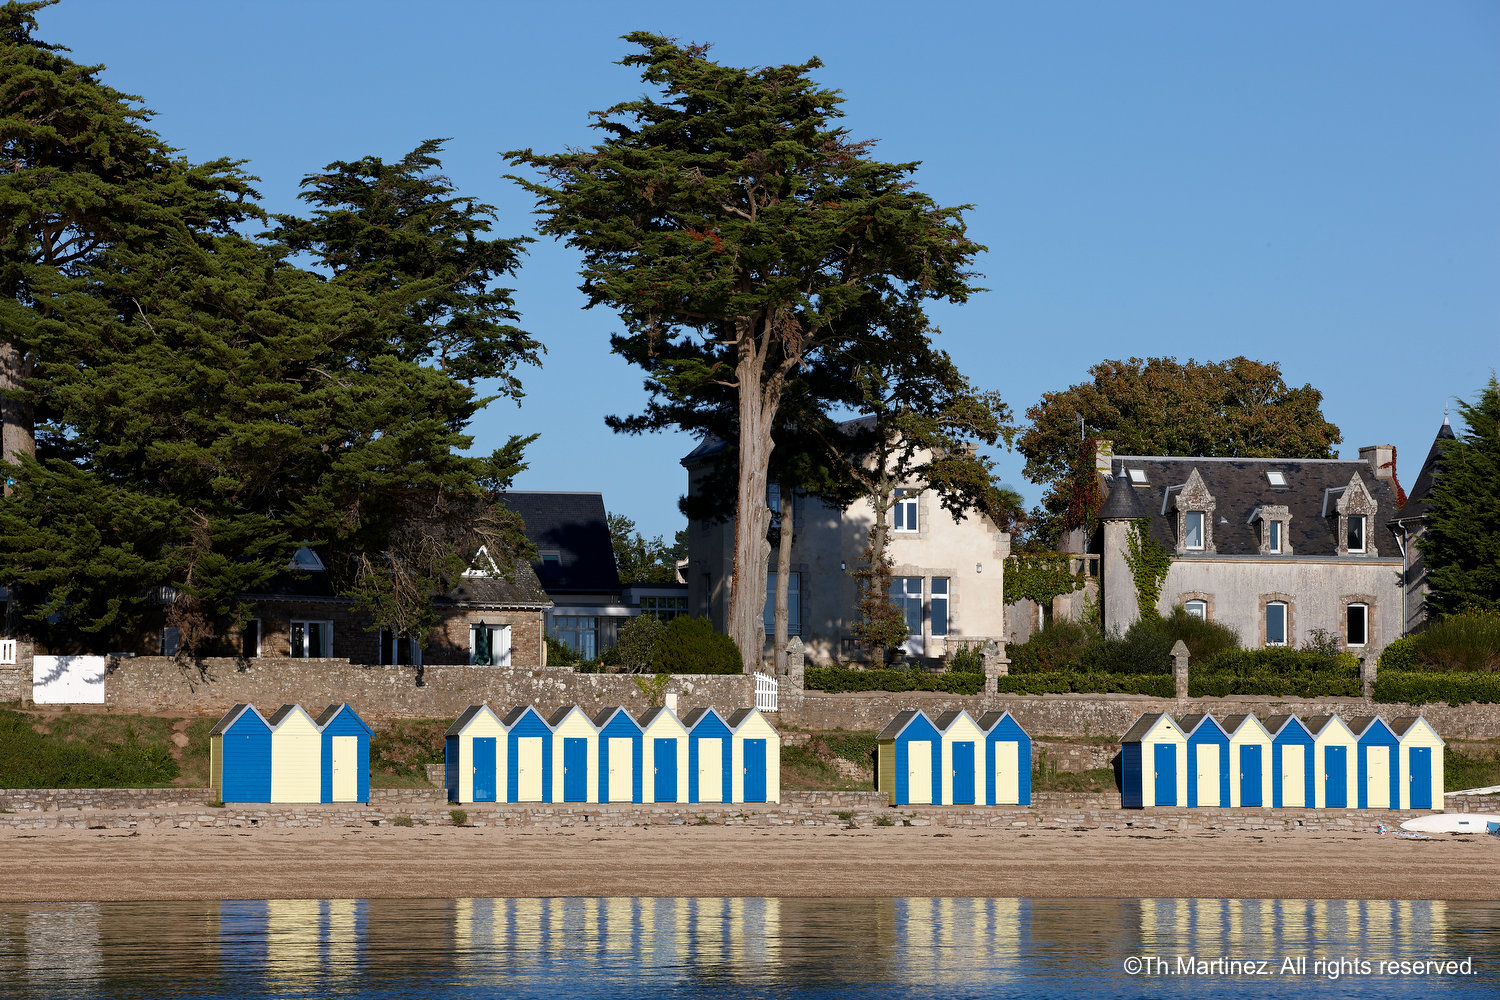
(750, 732)
(476, 722)
(1420, 753)
(575, 756)
(964, 778)
(664, 751)
(1249, 761)
(296, 756)
(1335, 762)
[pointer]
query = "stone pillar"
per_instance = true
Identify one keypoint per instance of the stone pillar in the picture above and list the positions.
(1367, 669)
(996, 664)
(796, 665)
(1180, 668)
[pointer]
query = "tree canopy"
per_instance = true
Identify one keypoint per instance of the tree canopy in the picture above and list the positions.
(1462, 541)
(743, 236)
(1160, 406)
(640, 559)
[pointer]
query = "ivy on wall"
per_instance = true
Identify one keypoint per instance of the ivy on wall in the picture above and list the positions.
(1040, 576)
(1149, 561)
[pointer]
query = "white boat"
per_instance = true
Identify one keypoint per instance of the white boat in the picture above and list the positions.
(1452, 823)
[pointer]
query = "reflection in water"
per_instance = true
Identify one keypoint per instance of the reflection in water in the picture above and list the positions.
(712, 946)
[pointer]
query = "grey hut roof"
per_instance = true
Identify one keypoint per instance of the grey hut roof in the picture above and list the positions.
(647, 717)
(739, 716)
(466, 717)
(574, 526)
(555, 719)
(989, 720)
(602, 717)
(1143, 726)
(1276, 723)
(1400, 726)
(280, 713)
(1360, 723)
(1234, 722)
(1239, 487)
(945, 719)
(326, 716)
(1315, 724)
(693, 715)
(230, 718)
(1421, 490)
(1122, 504)
(1192, 722)
(514, 715)
(894, 727)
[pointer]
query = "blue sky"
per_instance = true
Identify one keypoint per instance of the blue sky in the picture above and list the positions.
(1308, 183)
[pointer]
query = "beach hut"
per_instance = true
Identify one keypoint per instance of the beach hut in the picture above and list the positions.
(621, 756)
(1153, 766)
(1291, 763)
(1377, 778)
(296, 756)
(474, 756)
(709, 759)
(963, 760)
(1007, 760)
(1334, 751)
(529, 746)
(1207, 761)
(239, 756)
(1249, 761)
(346, 755)
(909, 760)
(1421, 762)
(755, 757)
(575, 755)
(664, 756)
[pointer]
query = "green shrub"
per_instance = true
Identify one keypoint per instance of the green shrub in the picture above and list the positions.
(1075, 681)
(1419, 687)
(1399, 655)
(1204, 639)
(1144, 649)
(637, 641)
(1278, 671)
(29, 759)
(1469, 641)
(1058, 646)
(560, 654)
(836, 680)
(691, 646)
(459, 817)
(966, 659)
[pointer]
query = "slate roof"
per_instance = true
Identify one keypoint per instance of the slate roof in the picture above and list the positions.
(1416, 500)
(524, 591)
(693, 715)
(556, 718)
(281, 713)
(989, 720)
(231, 717)
(946, 719)
(574, 526)
(602, 717)
(1122, 503)
(464, 719)
(649, 716)
(1190, 723)
(1143, 726)
(1361, 724)
(1276, 723)
(738, 717)
(1232, 723)
(1240, 485)
(1402, 725)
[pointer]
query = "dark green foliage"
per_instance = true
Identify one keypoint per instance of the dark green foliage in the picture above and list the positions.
(639, 559)
(1040, 576)
(691, 646)
(404, 747)
(1277, 670)
(1469, 641)
(560, 654)
(1058, 646)
(1462, 771)
(835, 680)
(29, 759)
(637, 642)
(1204, 639)
(966, 659)
(1418, 687)
(1066, 681)
(1462, 542)
(1399, 654)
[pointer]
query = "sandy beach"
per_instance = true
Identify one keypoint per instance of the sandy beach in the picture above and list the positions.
(432, 861)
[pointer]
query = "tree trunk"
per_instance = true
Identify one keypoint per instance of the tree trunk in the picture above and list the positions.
(783, 578)
(17, 419)
(745, 621)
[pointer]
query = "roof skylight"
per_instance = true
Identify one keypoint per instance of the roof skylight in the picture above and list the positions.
(1138, 477)
(1276, 478)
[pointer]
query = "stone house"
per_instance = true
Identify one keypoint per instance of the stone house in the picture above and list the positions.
(949, 574)
(1408, 524)
(1275, 548)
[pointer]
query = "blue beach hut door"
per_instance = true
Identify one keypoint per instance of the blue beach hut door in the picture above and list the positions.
(1250, 776)
(484, 768)
(1335, 777)
(665, 752)
(755, 770)
(1166, 775)
(1420, 764)
(963, 774)
(575, 768)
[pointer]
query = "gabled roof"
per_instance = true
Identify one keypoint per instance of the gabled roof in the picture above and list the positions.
(696, 715)
(232, 716)
(332, 712)
(281, 713)
(1317, 723)
(739, 716)
(556, 718)
(517, 713)
(1416, 500)
(1362, 724)
(1143, 726)
(1239, 486)
(1276, 723)
(1191, 723)
(989, 720)
(523, 590)
(604, 715)
(649, 716)
(466, 717)
(574, 526)
(1233, 723)
(899, 723)
(1401, 726)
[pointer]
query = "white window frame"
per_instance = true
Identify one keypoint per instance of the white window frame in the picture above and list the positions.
(499, 640)
(1285, 611)
(904, 512)
(389, 654)
(1274, 532)
(1364, 613)
(906, 599)
(1187, 529)
(1197, 607)
(793, 604)
(1363, 528)
(306, 651)
(934, 600)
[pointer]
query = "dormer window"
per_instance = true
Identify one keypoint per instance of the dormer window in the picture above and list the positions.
(305, 560)
(1195, 515)
(1193, 530)
(1356, 533)
(1273, 537)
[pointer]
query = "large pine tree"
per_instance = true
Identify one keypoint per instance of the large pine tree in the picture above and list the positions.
(1462, 542)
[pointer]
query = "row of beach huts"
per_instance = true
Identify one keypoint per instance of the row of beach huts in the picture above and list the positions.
(953, 759)
(1321, 762)
(523, 756)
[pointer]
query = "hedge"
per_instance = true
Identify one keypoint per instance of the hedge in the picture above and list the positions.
(1276, 671)
(1070, 681)
(1419, 687)
(836, 680)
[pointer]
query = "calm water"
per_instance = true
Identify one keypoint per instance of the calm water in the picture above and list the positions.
(788, 947)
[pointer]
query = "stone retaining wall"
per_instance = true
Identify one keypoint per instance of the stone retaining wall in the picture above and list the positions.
(53, 799)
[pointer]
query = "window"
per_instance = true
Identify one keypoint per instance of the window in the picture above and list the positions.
(1198, 609)
(305, 560)
(489, 645)
(397, 648)
(171, 640)
(1138, 477)
(551, 562)
(580, 633)
(1273, 536)
(664, 608)
(939, 606)
(1358, 616)
(905, 511)
(250, 639)
(793, 604)
(311, 638)
(1276, 479)
(1193, 530)
(906, 594)
(1276, 623)
(1356, 539)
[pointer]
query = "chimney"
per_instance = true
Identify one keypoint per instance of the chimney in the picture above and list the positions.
(1381, 458)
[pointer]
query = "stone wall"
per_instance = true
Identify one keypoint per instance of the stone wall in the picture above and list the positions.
(54, 799)
(156, 683)
(1089, 715)
(15, 678)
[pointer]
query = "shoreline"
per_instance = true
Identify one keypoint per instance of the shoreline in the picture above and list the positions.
(58, 865)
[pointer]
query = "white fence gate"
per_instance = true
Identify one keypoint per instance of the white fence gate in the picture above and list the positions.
(67, 680)
(766, 692)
